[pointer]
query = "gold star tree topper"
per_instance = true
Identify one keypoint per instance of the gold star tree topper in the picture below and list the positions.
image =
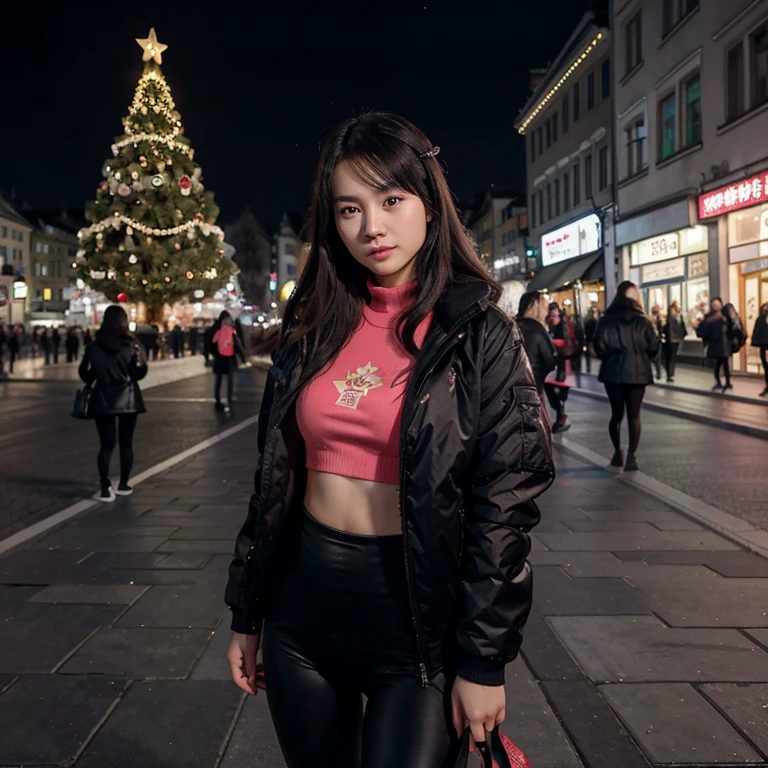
(152, 49)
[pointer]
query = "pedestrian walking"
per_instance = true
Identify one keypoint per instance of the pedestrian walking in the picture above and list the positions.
(114, 365)
(45, 344)
(576, 329)
(72, 344)
(589, 334)
(193, 339)
(626, 341)
(713, 331)
(541, 351)
(394, 355)
(177, 342)
(557, 389)
(36, 341)
(87, 338)
(674, 333)
(658, 328)
(760, 340)
(55, 344)
(13, 346)
(227, 347)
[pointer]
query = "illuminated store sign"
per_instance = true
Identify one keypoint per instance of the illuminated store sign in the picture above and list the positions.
(732, 197)
(576, 239)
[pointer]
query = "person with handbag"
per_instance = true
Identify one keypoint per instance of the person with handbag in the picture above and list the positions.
(402, 446)
(713, 331)
(626, 340)
(112, 367)
(557, 390)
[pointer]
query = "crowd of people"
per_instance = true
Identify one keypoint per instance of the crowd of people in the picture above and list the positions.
(48, 342)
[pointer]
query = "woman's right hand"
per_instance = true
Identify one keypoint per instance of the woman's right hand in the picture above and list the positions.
(241, 656)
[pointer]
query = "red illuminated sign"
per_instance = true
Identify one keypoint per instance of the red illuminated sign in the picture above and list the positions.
(742, 194)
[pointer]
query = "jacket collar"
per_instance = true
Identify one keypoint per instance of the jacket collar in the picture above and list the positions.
(458, 299)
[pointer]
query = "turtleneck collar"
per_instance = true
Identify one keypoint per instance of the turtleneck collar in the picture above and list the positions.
(386, 303)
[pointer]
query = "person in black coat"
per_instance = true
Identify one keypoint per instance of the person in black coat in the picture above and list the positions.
(674, 333)
(542, 354)
(760, 340)
(72, 344)
(626, 342)
(713, 331)
(13, 346)
(658, 327)
(590, 326)
(177, 342)
(55, 344)
(45, 345)
(113, 365)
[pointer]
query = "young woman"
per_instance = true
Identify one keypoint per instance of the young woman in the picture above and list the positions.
(402, 446)
(226, 347)
(626, 341)
(557, 389)
(114, 365)
(713, 331)
(674, 335)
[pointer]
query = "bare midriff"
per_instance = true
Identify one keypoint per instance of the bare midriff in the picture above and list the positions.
(363, 507)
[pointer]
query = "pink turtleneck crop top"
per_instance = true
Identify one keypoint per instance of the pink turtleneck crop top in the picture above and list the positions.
(349, 414)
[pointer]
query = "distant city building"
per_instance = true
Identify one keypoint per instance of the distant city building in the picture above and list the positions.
(15, 234)
(288, 251)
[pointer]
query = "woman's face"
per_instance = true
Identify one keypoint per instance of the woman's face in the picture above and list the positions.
(554, 316)
(382, 230)
(716, 305)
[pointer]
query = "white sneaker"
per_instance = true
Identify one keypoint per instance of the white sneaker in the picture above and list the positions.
(127, 491)
(109, 497)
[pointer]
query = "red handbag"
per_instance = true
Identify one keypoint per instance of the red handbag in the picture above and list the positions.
(499, 751)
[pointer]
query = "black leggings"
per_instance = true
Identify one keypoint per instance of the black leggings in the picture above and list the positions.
(723, 363)
(631, 397)
(338, 627)
(108, 432)
(764, 361)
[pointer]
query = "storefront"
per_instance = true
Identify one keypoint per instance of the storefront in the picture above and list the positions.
(673, 267)
(744, 208)
(572, 265)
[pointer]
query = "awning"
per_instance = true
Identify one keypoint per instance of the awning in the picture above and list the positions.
(555, 276)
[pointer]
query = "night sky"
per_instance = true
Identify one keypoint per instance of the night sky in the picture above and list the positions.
(258, 89)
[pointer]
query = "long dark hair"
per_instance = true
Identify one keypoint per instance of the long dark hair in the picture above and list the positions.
(622, 301)
(384, 150)
(114, 327)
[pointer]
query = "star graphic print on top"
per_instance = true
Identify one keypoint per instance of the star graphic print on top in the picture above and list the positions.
(349, 414)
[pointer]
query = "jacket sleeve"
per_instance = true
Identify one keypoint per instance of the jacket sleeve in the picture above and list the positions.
(652, 340)
(236, 585)
(600, 342)
(84, 370)
(548, 352)
(511, 465)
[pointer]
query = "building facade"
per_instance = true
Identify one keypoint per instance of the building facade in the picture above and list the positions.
(691, 160)
(288, 252)
(567, 124)
(15, 237)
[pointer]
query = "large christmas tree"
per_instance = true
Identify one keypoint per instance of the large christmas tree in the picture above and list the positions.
(153, 237)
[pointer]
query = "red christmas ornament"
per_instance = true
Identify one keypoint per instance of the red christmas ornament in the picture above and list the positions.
(198, 217)
(122, 297)
(185, 182)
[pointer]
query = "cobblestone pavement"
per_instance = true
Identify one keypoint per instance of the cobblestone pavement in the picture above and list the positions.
(648, 642)
(722, 468)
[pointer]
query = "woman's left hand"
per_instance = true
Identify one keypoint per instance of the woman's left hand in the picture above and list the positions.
(482, 707)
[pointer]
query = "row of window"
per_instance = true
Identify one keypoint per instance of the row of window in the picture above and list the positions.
(673, 12)
(51, 269)
(507, 238)
(17, 254)
(739, 101)
(570, 108)
(567, 191)
(58, 249)
(15, 234)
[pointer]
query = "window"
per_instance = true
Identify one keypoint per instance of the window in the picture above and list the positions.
(576, 184)
(692, 96)
(5, 231)
(605, 79)
(602, 169)
(540, 137)
(674, 12)
(549, 201)
(37, 269)
(532, 142)
(588, 177)
(47, 294)
(576, 100)
(566, 191)
(636, 158)
(590, 91)
(735, 67)
(3, 250)
(759, 66)
(557, 197)
(667, 116)
(548, 132)
(44, 270)
(289, 249)
(633, 42)
(38, 247)
(533, 211)
(555, 118)
(566, 112)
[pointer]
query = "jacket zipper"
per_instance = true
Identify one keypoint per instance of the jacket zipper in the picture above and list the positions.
(442, 351)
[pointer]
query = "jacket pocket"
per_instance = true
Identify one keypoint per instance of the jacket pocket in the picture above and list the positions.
(536, 456)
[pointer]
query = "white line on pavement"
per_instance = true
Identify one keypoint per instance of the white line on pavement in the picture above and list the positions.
(85, 504)
(734, 528)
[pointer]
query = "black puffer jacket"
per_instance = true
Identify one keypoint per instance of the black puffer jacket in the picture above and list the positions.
(466, 536)
(626, 342)
(674, 329)
(760, 331)
(541, 351)
(713, 330)
(113, 372)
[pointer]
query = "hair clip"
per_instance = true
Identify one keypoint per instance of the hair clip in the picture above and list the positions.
(434, 152)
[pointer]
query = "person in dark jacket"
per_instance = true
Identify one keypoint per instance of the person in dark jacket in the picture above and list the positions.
(227, 347)
(674, 333)
(177, 341)
(408, 537)
(557, 392)
(658, 327)
(112, 366)
(193, 339)
(713, 330)
(45, 344)
(531, 318)
(590, 326)
(760, 340)
(87, 338)
(72, 344)
(626, 342)
(13, 346)
(55, 344)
